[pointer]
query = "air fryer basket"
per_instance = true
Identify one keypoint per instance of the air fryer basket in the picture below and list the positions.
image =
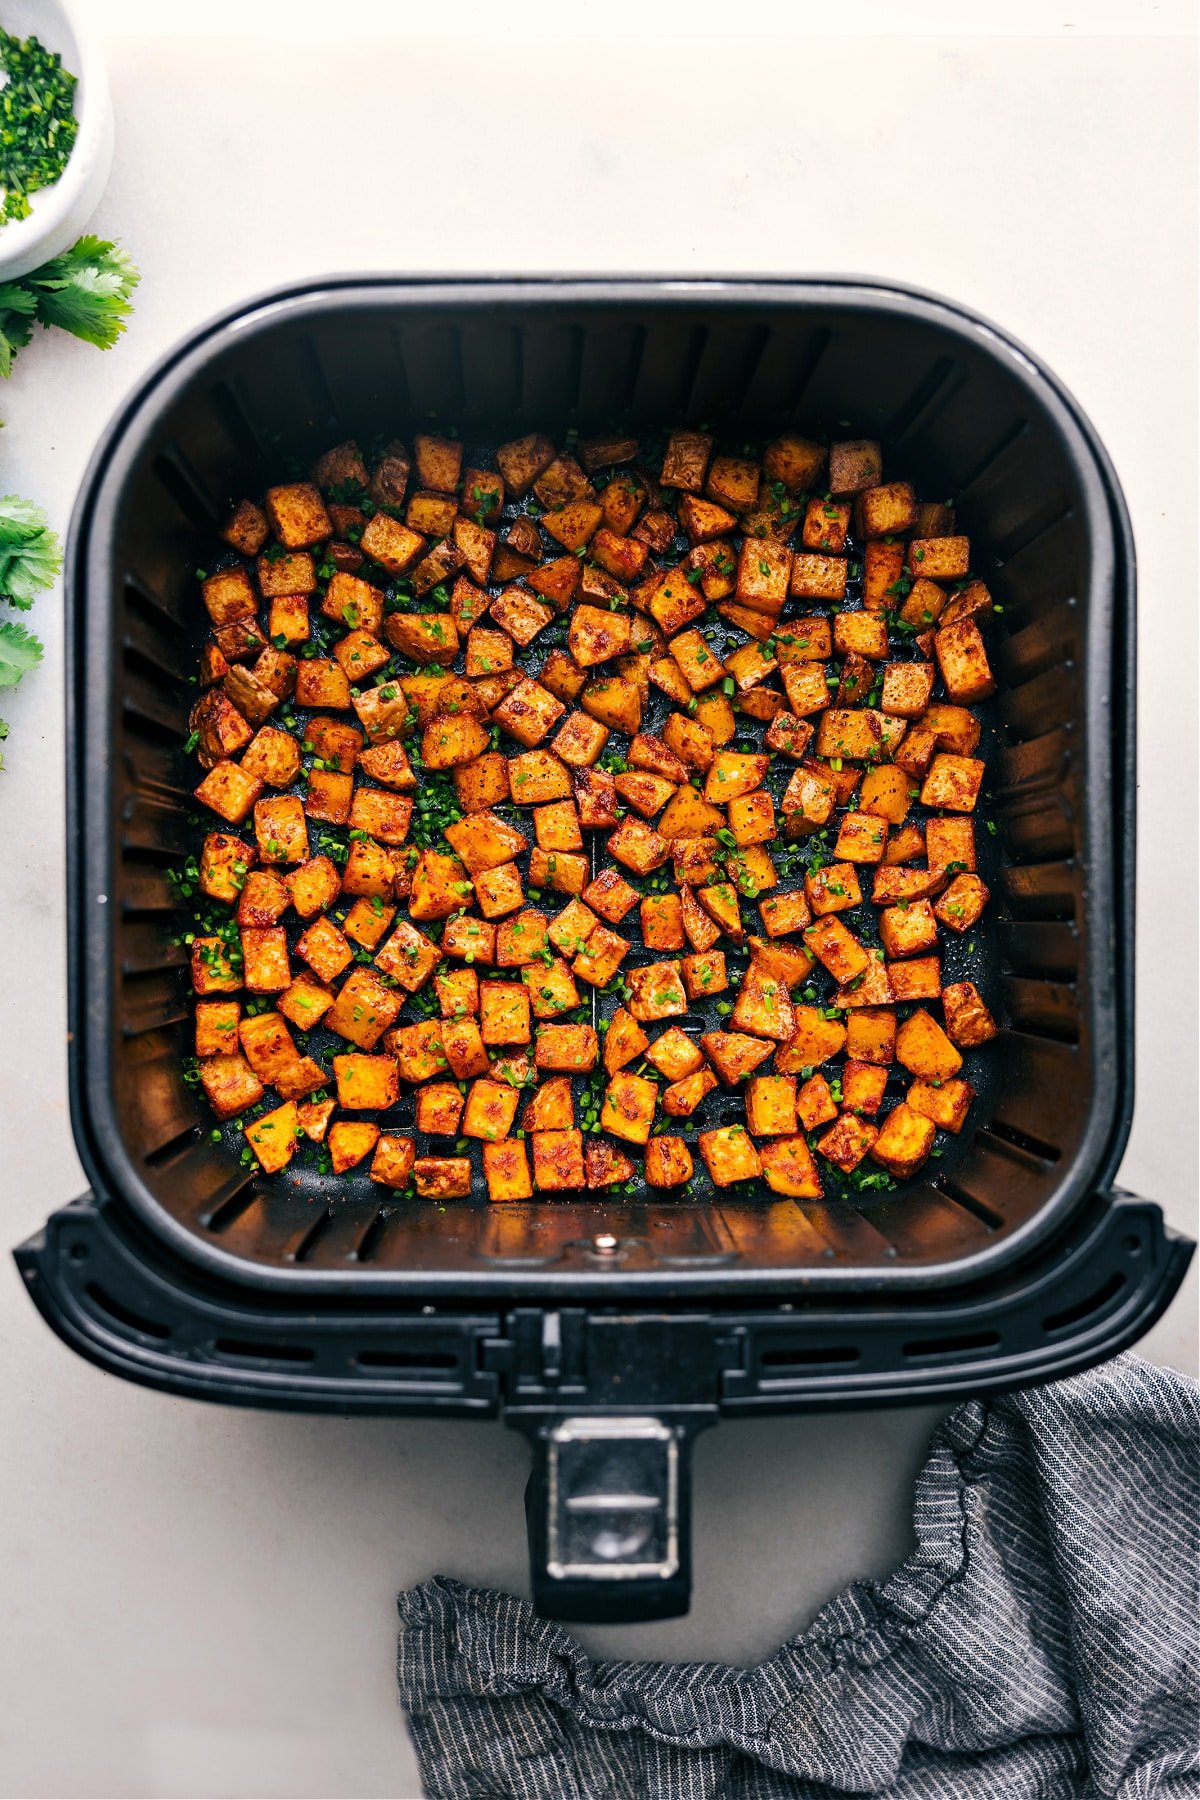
(958, 408)
(611, 1329)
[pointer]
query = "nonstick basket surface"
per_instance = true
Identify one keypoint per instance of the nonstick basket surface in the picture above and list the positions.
(960, 410)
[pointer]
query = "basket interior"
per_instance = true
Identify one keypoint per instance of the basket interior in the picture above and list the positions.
(954, 414)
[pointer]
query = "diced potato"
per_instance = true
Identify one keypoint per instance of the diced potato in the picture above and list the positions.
(887, 511)
(392, 1163)
(826, 525)
(465, 1051)
(904, 1142)
(720, 902)
(940, 558)
(265, 965)
(862, 838)
(657, 991)
(224, 863)
(551, 988)
(229, 792)
(807, 803)
(685, 462)
(325, 950)
(788, 1168)
(924, 604)
(733, 773)
(832, 889)
(439, 886)
(529, 713)
(858, 735)
(615, 702)
(314, 1116)
(628, 1109)
(395, 547)
(815, 1104)
(566, 1049)
(729, 1155)
(863, 1086)
(521, 940)
(624, 1041)
(573, 927)
(906, 689)
(470, 940)
(906, 843)
(963, 661)
(366, 1083)
(506, 1171)
(732, 482)
(908, 929)
(273, 757)
(704, 974)
(491, 1109)
(504, 1013)
(668, 1162)
(605, 1164)
(861, 634)
(280, 573)
(919, 978)
(703, 520)
(674, 1054)
(558, 1165)
(953, 782)
(872, 987)
(847, 1142)
(763, 575)
(694, 863)
(676, 600)
(520, 615)
(363, 1010)
(763, 1006)
(682, 1098)
(247, 528)
(968, 1021)
(230, 1084)
(662, 922)
(924, 1049)
(442, 1177)
(962, 903)
(573, 526)
(816, 576)
(476, 545)
(321, 682)
(883, 576)
(418, 1050)
(552, 1107)
(771, 1105)
(974, 601)
(523, 460)
(892, 885)
(273, 1137)
(485, 841)
(815, 1040)
(439, 1108)
(305, 1002)
(217, 1027)
(384, 817)
(329, 796)
(946, 1103)
(871, 1035)
(538, 776)
(579, 740)
(734, 1055)
(749, 866)
(264, 899)
(887, 793)
(372, 870)
(638, 846)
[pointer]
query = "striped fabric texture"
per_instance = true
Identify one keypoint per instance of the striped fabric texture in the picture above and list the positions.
(1040, 1643)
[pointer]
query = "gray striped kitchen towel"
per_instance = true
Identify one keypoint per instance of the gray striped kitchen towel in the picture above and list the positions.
(1039, 1644)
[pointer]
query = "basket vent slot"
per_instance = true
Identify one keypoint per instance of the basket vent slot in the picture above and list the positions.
(1083, 1309)
(406, 1359)
(922, 1349)
(810, 1355)
(250, 1352)
(125, 1315)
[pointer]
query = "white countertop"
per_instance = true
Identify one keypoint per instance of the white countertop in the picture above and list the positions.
(199, 1601)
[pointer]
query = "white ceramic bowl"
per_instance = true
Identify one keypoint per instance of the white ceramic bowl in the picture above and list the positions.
(60, 213)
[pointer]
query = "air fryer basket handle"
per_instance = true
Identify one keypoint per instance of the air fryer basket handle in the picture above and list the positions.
(608, 1505)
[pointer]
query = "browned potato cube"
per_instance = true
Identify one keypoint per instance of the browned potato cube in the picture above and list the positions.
(329, 796)
(439, 886)
(506, 1171)
(520, 615)
(668, 1162)
(682, 1098)
(624, 558)
(573, 927)
(638, 846)
(523, 460)
(491, 1109)
(229, 596)
(224, 862)
(371, 870)
(871, 1035)
(763, 573)
(955, 727)
(924, 603)
(247, 528)
(353, 602)
(469, 939)
(807, 687)
(704, 974)
(392, 1163)
(616, 702)
(529, 713)
(551, 988)
(325, 950)
(439, 1108)
(904, 1142)
(873, 987)
(579, 740)
(906, 843)
(818, 577)
(788, 1168)
(974, 601)
(826, 525)
(273, 757)
(297, 513)
(815, 1104)
(909, 929)
(219, 727)
(476, 546)
(763, 1006)
(887, 792)
(442, 1177)
(483, 783)
(836, 949)
(919, 978)
(521, 940)
(264, 899)
(450, 743)
(702, 520)
(771, 1105)
(887, 511)
(687, 815)
(504, 1014)
(695, 865)
(624, 1040)
(439, 462)
(720, 902)
(366, 1083)
(265, 965)
(950, 845)
(321, 682)
(395, 547)
(924, 1049)
(700, 665)
(217, 1027)
(883, 576)
(963, 661)
(230, 1084)
(363, 1010)
(940, 558)
(847, 1142)
(566, 1049)
(488, 651)
(656, 991)
(968, 1021)
(384, 817)
(213, 967)
(418, 1050)
(832, 889)
(749, 666)
(676, 601)
(793, 460)
(734, 1055)
(962, 903)
(953, 782)
(574, 525)
(815, 1040)
(893, 885)
(674, 1054)
(280, 573)
(662, 922)
(305, 1002)
(466, 1053)
(946, 1103)
(552, 1107)
(807, 803)
(457, 992)
(862, 838)
(538, 776)
(628, 1109)
(273, 1138)
(854, 466)
(906, 689)
(729, 1155)
(784, 913)
(863, 1086)
(558, 1160)
(686, 460)
(485, 841)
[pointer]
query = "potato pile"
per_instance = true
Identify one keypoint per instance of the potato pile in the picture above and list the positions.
(565, 796)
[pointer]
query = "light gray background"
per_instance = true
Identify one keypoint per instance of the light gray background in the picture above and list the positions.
(200, 1601)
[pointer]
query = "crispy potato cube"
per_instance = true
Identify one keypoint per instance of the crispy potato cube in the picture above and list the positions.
(815, 1104)
(832, 889)
(700, 665)
(523, 460)
(418, 1050)
(968, 1021)
(529, 713)
(442, 1177)
(771, 1105)
(924, 1049)
(224, 863)
(305, 1002)
(953, 782)
(615, 702)
(674, 1054)
(363, 1010)
(720, 902)
(325, 950)
(749, 666)
(624, 558)
(229, 596)
(466, 1053)
(574, 525)
(297, 513)
(854, 466)
(611, 896)
(219, 726)
(573, 927)
(392, 1163)
(230, 1084)
(488, 652)
(471, 940)
(485, 841)
(384, 817)
(439, 886)
(973, 601)
(329, 796)
(763, 1006)
(439, 1109)
(491, 1109)
(355, 603)
(871, 1035)
(656, 991)
(551, 988)
(887, 792)
(918, 978)
(408, 958)
(662, 922)
(863, 1087)
(366, 1083)
(763, 574)
(807, 686)
(940, 558)
(908, 929)
(955, 727)
(439, 462)
(457, 993)
(752, 818)
(229, 792)
(873, 987)
(538, 776)
(638, 846)
(579, 740)
(565, 871)
(788, 1168)
(279, 573)
(605, 1164)
(685, 461)
(624, 1041)
(265, 965)
(729, 1155)
(962, 903)
(807, 803)
(668, 1162)
(566, 1049)
(521, 616)
(815, 1039)
(321, 682)
(628, 1109)
(552, 1107)
(682, 1098)
(862, 838)
(703, 520)
(395, 547)
(704, 974)
(826, 525)
(906, 843)
(370, 869)
(217, 1027)
(816, 576)
(504, 1013)
(506, 1171)
(521, 940)
(883, 576)
(562, 676)
(273, 1137)
(264, 899)
(732, 482)
(558, 1164)
(734, 1055)
(247, 528)
(906, 689)
(904, 1142)
(892, 885)
(646, 793)
(950, 846)
(687, 815)
(860, 634)
(383, 711)
(963, 661)
(694, 862)
(732, 774)
(335, 744)
(481, 784)
(595, 635)
(847, 1142)
(946, 1103)
(676, 601)
(790, 962)
(887, 511)
(273, 756)
(793, 460)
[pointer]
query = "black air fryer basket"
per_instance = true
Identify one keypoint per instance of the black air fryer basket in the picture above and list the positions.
(610, 1329)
